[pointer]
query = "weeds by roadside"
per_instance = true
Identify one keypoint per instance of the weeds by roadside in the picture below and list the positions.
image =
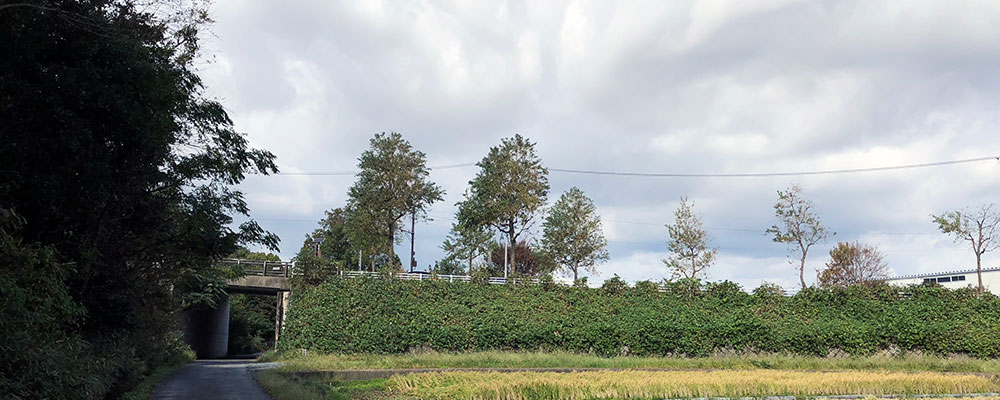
(288, 387)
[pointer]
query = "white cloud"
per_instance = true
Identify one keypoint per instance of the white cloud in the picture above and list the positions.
(698, 86)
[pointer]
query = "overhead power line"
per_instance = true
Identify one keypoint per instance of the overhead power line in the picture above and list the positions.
(355, 172)
(698, 175)
(765, 174)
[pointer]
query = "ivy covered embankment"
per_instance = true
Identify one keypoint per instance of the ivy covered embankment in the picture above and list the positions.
(392, 316)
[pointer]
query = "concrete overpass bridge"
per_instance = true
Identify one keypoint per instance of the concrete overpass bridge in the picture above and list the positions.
(207, 330)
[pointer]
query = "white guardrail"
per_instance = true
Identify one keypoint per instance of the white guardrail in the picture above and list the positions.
(414, 276)
(286, 269)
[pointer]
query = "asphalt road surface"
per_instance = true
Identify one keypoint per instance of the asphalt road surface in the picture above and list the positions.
(214, 379)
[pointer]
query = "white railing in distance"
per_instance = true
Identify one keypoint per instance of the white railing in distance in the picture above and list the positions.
(408, 276)
(259, 268)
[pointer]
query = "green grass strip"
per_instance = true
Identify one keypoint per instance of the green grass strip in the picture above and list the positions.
(287, 387)
(499, 359)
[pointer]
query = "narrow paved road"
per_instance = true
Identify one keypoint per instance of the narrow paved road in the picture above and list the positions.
(214, 379)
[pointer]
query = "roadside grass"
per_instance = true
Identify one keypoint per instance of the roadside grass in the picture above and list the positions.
(269, 356)
(680, 384)
(144, 390)
(502, 359)
(289, 387)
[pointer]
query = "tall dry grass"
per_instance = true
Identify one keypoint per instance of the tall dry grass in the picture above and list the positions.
(679, 384)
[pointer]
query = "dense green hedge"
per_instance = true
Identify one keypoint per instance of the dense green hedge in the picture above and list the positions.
(391, 316)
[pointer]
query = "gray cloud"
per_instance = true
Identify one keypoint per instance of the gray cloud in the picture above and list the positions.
(700, 86)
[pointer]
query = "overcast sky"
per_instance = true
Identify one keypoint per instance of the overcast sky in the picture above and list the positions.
(699, 87)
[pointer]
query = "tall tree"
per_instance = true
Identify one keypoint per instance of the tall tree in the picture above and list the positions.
(509, 190)
(690, 248)
(334, 253)
(572, 234)
(799, 227)
(365, 238)
(332, 237)
(853, 264)
(466, 242)
(392, 183)
(120, 167)
(977, 226)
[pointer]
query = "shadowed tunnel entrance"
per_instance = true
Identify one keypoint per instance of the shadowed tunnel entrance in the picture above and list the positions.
(206, 330)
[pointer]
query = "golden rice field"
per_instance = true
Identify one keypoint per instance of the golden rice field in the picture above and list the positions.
(635, 384)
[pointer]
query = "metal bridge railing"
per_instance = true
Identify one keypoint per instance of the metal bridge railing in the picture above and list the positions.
(412, 276)
(259, 268)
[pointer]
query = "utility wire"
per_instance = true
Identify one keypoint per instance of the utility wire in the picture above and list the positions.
(352, 173)
(765, 174)
(761, 231)
(697, 175)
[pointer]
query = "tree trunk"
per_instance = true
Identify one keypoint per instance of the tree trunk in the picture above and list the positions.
(979, 270)
(802, 270)
(693, 268)
(413, 234)
(511, 240)
(392, 241)
(575, 275)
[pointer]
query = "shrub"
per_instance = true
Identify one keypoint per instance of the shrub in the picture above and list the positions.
(547, 282)
(614, 286)
(481, 276)
(646, 287)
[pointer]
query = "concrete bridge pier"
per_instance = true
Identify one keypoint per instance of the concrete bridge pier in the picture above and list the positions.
(206, 330)
(281, 310)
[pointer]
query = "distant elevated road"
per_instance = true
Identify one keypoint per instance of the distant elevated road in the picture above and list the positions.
(214, 379)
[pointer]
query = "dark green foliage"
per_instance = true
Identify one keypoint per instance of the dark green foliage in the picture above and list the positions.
(251, 323)
(332, 237)
(449, 266)
(523, 259)
(311, 270)
(547, 282)
(614, 286)
(648, 287)
(334, 255)
(123, 175)
(481, 276)
(41, 353)
(390, 316)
